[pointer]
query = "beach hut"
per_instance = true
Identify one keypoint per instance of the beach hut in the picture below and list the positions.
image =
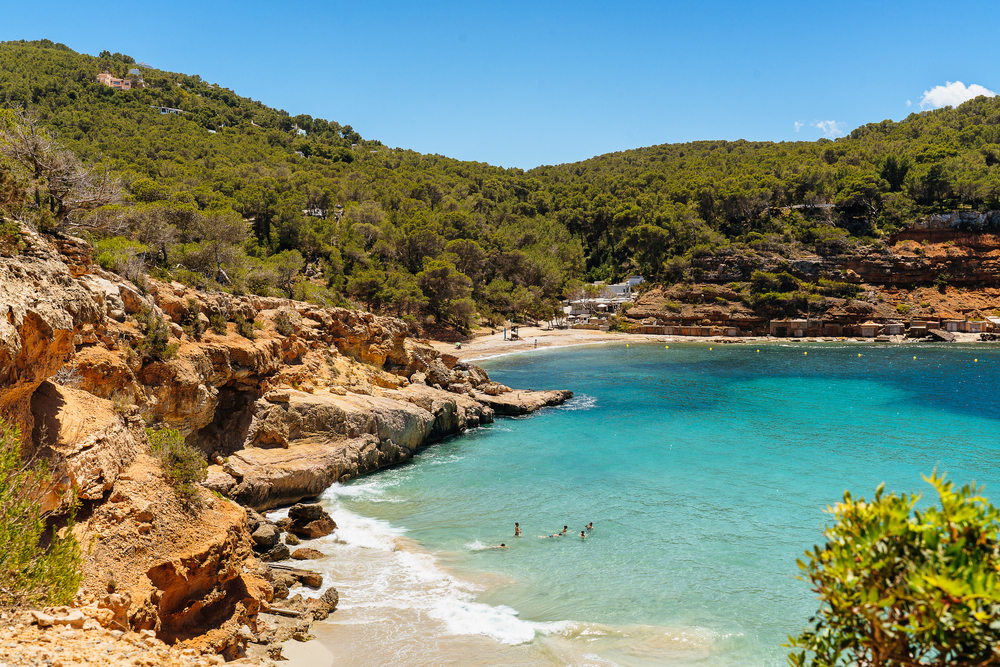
(832, 329)
(975, 326)
(868, 329)
(894, 329)
(952, 325)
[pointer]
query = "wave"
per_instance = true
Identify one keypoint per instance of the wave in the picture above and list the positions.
(579, 402)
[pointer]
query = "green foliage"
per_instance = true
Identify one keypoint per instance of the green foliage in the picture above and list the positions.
(217, 322)
(244, 327)
(838, 289)
(901, 586)
(35, 571)
(117, 252)
(221, 191)
(182, 464)
(156, 345)
(284, 321)
(192, 323)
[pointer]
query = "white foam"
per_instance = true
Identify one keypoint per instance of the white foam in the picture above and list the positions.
(462, 617)
(579, 402)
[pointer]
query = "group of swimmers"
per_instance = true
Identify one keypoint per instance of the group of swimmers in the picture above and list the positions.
(517, 533)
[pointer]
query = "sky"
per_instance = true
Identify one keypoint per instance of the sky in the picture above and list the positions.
(522, 84)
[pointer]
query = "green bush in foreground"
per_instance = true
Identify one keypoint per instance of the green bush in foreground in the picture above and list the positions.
(901, 587)
(31, 574)
(183, 465)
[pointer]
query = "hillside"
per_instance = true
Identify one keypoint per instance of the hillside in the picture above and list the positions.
(338, 220)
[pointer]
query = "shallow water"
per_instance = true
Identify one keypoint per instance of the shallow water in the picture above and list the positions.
(705, 470)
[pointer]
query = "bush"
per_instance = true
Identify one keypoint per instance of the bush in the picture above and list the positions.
(244, 327)
(217, 321)
(183, 465)
(901, 587)
(834, 288)
(283, 322)
(31, 574)
(904, 309)
(156, 332)
(192, 324)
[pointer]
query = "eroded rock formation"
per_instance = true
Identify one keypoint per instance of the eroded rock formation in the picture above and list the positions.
(333, 395)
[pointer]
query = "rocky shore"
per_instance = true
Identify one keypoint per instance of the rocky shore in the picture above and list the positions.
(294, 400)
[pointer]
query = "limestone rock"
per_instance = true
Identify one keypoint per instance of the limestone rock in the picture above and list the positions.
(266, 535)
(307, 554)
(325, 605)
(276, 553)
(310, 521)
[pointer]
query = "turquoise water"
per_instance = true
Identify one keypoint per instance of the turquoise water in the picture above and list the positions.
(705, 470)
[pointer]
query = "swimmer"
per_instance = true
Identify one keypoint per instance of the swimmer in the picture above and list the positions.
(502, 546)
(583, 535)
(517, 530)
(590, 526)
(565, 528)
(552, 535)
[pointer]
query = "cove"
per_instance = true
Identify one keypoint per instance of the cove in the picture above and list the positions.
(706, 470)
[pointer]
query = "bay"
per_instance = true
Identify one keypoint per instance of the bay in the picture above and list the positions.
(705, 469)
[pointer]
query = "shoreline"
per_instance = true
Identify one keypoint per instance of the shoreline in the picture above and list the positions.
(492, 346)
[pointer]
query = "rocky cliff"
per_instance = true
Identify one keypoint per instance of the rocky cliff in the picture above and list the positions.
(284, 398)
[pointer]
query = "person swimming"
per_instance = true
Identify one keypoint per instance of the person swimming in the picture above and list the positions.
(590, 526)
(502, 546)
(565, 528)
(583, 535)
(517, 529)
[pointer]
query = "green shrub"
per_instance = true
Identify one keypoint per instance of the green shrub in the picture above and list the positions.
(672, 305)
(244, 327)
(31, 575)
(192, 324)
(904, 309)
(115, 253)
(217, 321)
(183, 465)
(901, 586)
(284, 322)
(834, 288)
(155, 345)
(762, 282)
(11, 239)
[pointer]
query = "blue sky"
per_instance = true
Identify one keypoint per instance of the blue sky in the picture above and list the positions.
(520, 84)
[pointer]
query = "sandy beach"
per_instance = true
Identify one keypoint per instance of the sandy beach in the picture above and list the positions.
(531, 338)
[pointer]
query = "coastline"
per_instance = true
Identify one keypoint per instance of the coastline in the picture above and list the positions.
(494, 345)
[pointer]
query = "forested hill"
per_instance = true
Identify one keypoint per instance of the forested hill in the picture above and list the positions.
(428, 236)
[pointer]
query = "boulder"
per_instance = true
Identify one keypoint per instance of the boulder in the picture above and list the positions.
(307, 554)
(310, 521)
(266, 535)
(477, 375)
(276, 553)
(291, 539)
(327, 603)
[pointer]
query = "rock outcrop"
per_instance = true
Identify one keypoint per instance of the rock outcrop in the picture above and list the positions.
(282, 415)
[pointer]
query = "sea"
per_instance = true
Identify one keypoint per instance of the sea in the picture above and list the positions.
(706, 470)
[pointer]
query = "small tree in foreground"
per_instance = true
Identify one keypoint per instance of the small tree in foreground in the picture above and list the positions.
(902, 587)
(31, 571)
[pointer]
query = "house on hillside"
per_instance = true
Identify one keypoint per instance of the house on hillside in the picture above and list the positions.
(112, 82)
